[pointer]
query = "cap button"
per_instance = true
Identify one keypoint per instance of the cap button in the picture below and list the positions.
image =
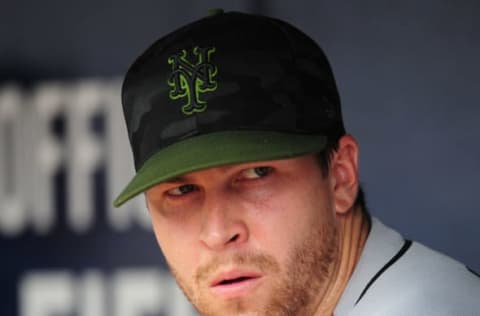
(216, 11)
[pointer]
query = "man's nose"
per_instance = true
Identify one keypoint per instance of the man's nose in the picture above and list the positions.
(223, 222)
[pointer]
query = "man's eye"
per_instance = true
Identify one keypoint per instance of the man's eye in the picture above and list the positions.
(257, 172)
(183, 189)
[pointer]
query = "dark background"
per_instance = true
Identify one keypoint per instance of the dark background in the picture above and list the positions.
(408, 75)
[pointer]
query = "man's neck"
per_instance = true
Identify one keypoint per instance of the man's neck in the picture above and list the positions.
(353, 232)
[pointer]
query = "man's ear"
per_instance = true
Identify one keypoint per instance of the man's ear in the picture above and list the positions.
(344, 174)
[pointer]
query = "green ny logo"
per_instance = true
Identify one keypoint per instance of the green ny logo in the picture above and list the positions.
(189, 80)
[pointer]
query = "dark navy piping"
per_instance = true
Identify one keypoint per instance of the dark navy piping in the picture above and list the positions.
(394, 259)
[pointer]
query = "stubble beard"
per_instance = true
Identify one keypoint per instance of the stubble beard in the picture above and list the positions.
(297, 291)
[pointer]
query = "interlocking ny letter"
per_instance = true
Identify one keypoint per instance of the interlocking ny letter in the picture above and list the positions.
(189, 80)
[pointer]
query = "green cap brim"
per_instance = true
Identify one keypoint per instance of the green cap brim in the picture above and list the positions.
(216, 149)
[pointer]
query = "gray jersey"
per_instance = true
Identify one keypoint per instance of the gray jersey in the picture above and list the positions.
(397, 277)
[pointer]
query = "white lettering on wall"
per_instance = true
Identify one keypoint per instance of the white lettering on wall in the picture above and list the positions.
(128, 292)
(47, 101)
(91, 294)
(31, 154)
(84, 153)
(47, 294)
(13, 208)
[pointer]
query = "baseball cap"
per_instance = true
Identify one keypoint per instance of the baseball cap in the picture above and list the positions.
(228, 88)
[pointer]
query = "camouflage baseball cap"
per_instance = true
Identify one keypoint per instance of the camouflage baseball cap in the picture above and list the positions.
(228, 88)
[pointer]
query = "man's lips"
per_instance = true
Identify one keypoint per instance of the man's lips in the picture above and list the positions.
(234, 283)
(233, 276)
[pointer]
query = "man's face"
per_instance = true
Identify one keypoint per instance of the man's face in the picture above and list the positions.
(249, 239)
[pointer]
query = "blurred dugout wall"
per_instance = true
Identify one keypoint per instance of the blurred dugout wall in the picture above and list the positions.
(64, 155)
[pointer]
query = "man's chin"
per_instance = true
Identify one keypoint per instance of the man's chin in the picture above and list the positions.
(231, 307)
(249, 303)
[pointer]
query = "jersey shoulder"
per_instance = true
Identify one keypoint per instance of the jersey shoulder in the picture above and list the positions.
(424, 282)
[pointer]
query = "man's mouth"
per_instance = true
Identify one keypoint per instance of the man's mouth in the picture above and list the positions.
(234, 284)
(232, 281)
